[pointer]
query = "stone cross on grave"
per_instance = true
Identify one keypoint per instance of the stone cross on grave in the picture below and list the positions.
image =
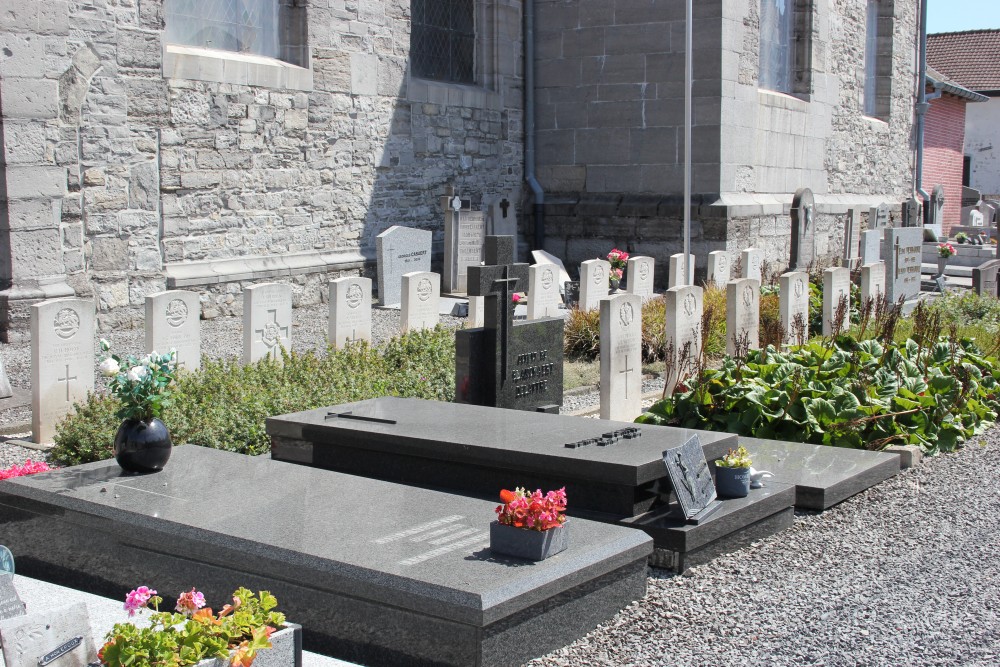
(497, 281)
(504, 205)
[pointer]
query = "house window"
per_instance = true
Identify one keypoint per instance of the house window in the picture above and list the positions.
(443, 40)
(785, 46)
(878, 58)
(269, 28)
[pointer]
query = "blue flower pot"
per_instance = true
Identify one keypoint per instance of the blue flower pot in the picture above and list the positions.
(732, 482)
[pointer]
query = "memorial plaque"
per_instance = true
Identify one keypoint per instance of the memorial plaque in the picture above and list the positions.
(984, 278)
(267, 321)
(751, 260)
(871, 246)
(684, 307)
(639, 279)
(675, 275)
(10, 602)
(836, 290)
(742, 314)
(691, 480)
(421, 301)
(543, 291)
(173, 322)
(904, 251)
(621, 357)
(873, 282)
(803, 230)
(350, 317)
(59, 637)
(464, 235)
(878, 217)
(594, 282)
(400, 250)
(718, 268)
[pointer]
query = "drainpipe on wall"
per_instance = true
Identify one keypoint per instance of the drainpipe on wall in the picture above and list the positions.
(921, 108)
(529, 124)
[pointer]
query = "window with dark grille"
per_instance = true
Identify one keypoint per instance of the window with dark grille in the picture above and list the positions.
(443, 40)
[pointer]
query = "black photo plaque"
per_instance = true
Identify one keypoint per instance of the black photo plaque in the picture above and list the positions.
(691, 480)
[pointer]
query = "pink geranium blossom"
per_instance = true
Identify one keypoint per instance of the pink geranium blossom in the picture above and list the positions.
(138, 599)
(190, 601)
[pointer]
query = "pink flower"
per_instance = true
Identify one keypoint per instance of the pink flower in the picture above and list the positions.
(190, 601)
(29, 468)
(137, 599)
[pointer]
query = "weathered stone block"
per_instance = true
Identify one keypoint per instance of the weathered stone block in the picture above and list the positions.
(29, 98)
(35, 182)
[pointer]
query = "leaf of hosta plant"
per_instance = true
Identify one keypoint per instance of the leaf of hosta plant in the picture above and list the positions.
(821, 411)
(871, 347)
(940, 353)
(885, 383)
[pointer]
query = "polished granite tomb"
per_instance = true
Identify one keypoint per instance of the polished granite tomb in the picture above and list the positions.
(376, 572)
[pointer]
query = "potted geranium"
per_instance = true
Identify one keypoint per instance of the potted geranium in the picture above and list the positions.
(961, 238)
(194, 635)
(142, 443)
(530, 525)
(945, 252)
(732, 473)
(619, 262)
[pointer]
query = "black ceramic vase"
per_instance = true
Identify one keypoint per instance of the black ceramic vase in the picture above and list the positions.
(142, 446)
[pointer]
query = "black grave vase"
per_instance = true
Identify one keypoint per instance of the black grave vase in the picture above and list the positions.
(142, 446)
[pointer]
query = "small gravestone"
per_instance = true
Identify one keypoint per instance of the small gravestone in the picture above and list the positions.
(742, 315)
(594, 282)
(852, 239)
(421, 301)
(571, 291)
(803, 230)
(937, 207)
(6, 391)
(752, 260)
(350, 311)
(836, 291)
(873, 282)
(400, 250)
(793, 306)
(502, 217)
(718, 268)
(675, 273)
(542, 257)
(173, 322)
(59, 637)
(878, 217)
(639, 278)
(621, 357)
(464, 235)
(543, 291)
(976, 219)
(871, 245)
(267, 321)
(691, 481)
(476, 306)
(507, 364)
(984, 278)
(62, 361)
(903, 257)
(683, 336)
(912, 213)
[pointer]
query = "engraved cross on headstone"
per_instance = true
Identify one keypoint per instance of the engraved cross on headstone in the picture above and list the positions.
(272, 327)
(899, 251)
(627, 372)
(67, 381)
(504, 205)
(353, 338)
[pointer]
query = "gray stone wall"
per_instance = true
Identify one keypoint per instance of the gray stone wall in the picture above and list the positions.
(142, 166)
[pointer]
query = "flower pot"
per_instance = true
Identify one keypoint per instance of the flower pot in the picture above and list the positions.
(528, 544)
(286, 649)
(732, 482)
(142, 446)
(615, 284)
(942, 263)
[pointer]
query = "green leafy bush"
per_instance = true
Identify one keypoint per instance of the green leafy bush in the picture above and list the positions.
(846, 393)
(224, 404)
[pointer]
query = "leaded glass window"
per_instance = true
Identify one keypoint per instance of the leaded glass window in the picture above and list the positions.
(443, 40)
(777, 32)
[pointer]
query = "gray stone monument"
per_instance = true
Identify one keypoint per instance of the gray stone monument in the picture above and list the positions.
(62, 361)
(464, 236)
(675, 275)
(621, 357)
(718, 268)
(6, 391)
(543, 291)
(872, 282)
(912, 213)
(594, 282)
(871, 245)
(267, 321)
(852, 239)
(803, 230)
(350, 318)
(542, 257)
(878, 217)
(984, 278)
(684, 307)
(173, 322)
(502, 219)
(639, 278)
(400, 250)
(793, 306)
(836, 290)
(976, 218)
(742, 314)
(903, 256)
(937, 208)
(751, 263)
(421, 301)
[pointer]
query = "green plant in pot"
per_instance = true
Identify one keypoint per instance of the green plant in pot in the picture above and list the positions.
(732, 473)
(142, 443)
(961, 237)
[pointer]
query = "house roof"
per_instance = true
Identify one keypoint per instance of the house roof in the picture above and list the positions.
(970, 58)
(940, 82)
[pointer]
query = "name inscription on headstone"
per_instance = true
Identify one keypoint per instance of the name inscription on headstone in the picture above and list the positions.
(531, 373)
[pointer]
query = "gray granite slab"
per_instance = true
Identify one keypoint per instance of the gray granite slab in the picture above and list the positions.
(823, 476)
(375, 572)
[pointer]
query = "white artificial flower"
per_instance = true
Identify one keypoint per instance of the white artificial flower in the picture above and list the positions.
(137, 373)
(109, 368)
(105, 345)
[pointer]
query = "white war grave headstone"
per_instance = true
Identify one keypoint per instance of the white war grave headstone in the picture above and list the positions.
(62, 361)
(683, 336)
(350, 311)
(751, 263)
(594, 282)
(742, 316)
(400, 250)
(639, 276)
(267, 321)
(793, 306)
(836, 292)
(871, 245)
(173, 322)
(421, 301)
(543, 291)
(621, 357)
(675, 271)
(718, 268)
(464, 239)
(872, 282)
(542, 257)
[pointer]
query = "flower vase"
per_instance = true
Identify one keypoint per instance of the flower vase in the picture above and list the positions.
(142, 446)
(615, 282)
(942, 263)
(732, 482)
(533, 545)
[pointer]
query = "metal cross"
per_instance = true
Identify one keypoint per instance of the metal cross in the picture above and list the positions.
(66, 380)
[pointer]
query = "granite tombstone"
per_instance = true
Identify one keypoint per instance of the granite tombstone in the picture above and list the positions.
(912, 213)
(421, 292)
(503, 217)
(903, 253)
(639, 278)
(793, 306)
(543, 291)
(836, 295)
(173, 322)
(803, 230)
(350, 316)
(400, 250)
(594, 282)
(984, 278)
(878, 216)
(742, 316)
(871, 245)
(718, 268)
(464, 235)
(267, 321)
(621, 357)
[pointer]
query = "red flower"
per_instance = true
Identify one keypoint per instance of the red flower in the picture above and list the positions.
(507, 496)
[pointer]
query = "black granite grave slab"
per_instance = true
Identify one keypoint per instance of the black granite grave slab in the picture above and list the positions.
(375, 572)
(822, 476)
(478, 450)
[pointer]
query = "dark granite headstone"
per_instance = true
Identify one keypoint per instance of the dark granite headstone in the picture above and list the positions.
(572, 293)
(10, 602)
(912, 216)
(803, 230)
(691, 480)
(507, 364)
(984, 278)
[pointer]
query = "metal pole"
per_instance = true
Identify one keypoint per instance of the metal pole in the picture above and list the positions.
(688, 80)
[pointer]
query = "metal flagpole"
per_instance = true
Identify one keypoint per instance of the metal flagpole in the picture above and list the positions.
(688, 79)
